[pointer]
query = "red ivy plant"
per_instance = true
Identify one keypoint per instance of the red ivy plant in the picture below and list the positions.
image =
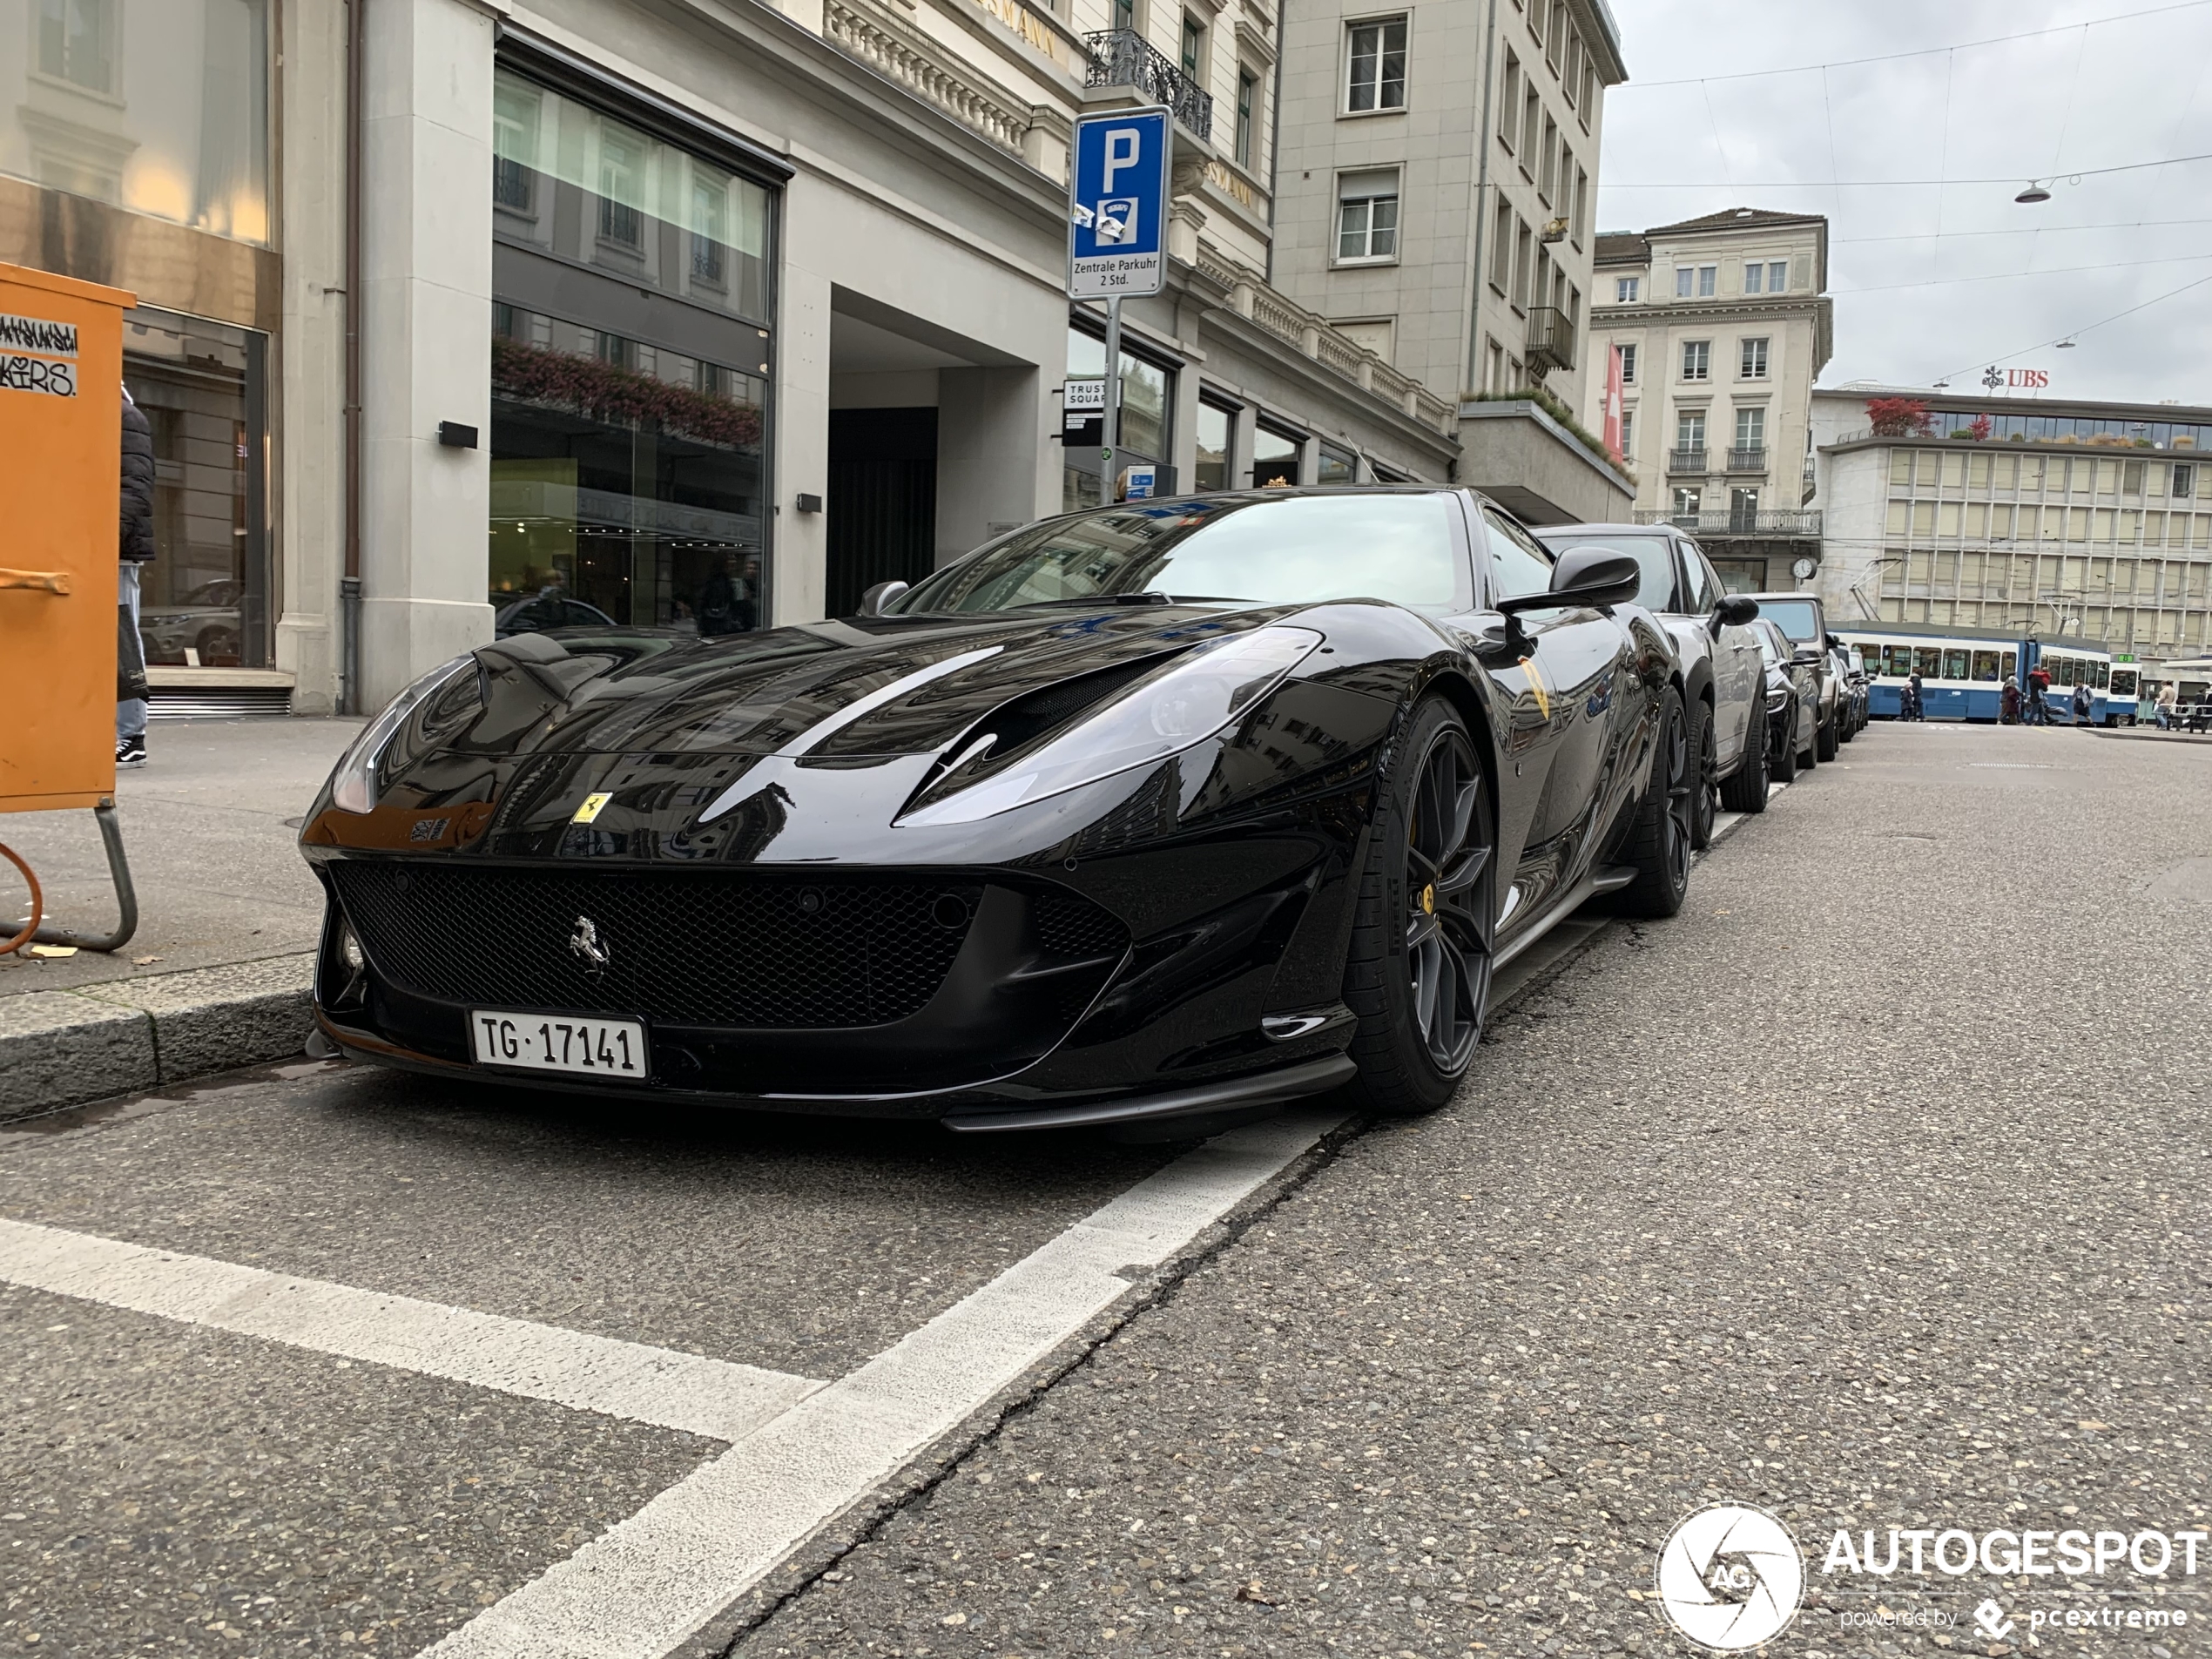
(605, 392)
(1980, 427)
(1897, 417)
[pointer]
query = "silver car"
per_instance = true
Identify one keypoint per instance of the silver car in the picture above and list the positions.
(1723, 678)
(1804, 624)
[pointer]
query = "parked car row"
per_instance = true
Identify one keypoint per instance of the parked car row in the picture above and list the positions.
(1161, 813)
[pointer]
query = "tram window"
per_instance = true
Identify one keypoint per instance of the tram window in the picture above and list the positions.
(2123, 682)
(1927, 662)
(2010, 660)
(1954, 665)
(1985, 665)
(1901, 661)
(2104, 676)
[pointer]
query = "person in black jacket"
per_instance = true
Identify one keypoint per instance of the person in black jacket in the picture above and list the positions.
(135, 552)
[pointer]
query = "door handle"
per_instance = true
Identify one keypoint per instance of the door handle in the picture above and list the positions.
(39, 581)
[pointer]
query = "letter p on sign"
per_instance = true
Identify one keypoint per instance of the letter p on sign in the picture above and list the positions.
(1122, 146)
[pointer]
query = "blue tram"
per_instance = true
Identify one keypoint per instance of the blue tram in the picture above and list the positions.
(1963, 671)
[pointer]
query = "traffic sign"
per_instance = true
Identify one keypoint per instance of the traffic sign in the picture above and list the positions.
(1117, 205)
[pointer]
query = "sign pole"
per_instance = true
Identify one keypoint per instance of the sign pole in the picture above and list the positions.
(1110, 425)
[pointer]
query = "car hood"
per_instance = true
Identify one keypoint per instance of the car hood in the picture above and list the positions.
(867, 687)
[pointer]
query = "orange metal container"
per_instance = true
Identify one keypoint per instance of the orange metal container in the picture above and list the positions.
(61, 425)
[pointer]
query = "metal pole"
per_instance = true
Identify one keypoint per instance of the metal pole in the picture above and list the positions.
(1109, 429)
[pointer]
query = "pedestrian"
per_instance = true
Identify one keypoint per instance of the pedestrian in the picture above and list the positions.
(2168, 698)
(2038, 696)
(1913, 709)
(720, 601)
(134, 547)
(2009, 701)
(2081, 704)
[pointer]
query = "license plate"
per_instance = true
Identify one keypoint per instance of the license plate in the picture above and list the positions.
(611, 1049)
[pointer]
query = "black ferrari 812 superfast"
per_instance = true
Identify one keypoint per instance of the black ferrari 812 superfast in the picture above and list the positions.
(1157, 815)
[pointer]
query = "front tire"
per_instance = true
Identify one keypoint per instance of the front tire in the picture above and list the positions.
(1746, 791)
(1785, 763)
(1824, 740)
(1705, 747)
(1418, 976)
(1659, 848)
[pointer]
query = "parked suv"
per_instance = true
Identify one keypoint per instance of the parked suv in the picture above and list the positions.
(1804, 624)
(1723, 680)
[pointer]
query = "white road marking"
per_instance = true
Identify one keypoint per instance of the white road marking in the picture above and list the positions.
(628, 1379)
(639, 1590)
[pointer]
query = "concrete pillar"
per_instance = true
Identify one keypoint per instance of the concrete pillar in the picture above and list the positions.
(426, 346)
(991, 428)
(310, 516)
(801, 438)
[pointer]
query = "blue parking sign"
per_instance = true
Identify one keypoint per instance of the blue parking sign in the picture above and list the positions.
(1117, 205)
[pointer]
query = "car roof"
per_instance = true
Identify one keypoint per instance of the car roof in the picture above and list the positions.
(1663, 531)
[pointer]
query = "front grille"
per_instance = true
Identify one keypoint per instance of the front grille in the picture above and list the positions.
(761, 952)
(1067, 926)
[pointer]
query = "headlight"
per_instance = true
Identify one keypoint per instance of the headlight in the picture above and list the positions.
(353, 785)
(1203, 691)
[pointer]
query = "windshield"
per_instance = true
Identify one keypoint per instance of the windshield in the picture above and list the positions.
(1765, 636)
(1297, 550)
(1798, 618)
(1657, 592)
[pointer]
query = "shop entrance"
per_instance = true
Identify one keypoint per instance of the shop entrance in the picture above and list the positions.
(882, 501)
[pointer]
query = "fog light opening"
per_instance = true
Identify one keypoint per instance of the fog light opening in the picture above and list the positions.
(950, 912)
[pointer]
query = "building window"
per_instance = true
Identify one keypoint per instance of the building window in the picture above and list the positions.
(1376, 76)
(1751, 429)
(1627, 434)
(1701, 281)
(1275, 456)
(1687, 499)
(1742, 510)
(1753, 270)
(1777, 276)
(1337, 466)
(1689, 431)
(1509, 101)
(1685, 281)
(1217, 446)
(1194, 48)
(1752, 363)
(1696, 360)
(1501, 248)
(627, 474)
(1532, 111)
(1548, 162)
(1628, 364)
(1708, 281)
(1247, 98)
(2184, 484)
(1523, 245)
(76, 43)
(1125, 14)
(1366, 217)
(1626, 290)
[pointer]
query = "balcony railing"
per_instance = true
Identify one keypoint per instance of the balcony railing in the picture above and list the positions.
(1747, 458)
(1686, 461)
(1741, 522)
(1551, 340)
(1123, 57)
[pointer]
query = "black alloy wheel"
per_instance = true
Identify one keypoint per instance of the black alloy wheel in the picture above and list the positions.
(1706, 807)
(1784, 767)
(1746, 791)
(1659, 849)
(1419, 972)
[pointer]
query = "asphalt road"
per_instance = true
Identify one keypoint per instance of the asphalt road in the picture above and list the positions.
(1870, 1191)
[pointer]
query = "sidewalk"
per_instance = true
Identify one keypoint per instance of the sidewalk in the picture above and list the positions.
(217, 975)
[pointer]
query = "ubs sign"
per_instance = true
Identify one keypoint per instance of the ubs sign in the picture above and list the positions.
(2016, 379)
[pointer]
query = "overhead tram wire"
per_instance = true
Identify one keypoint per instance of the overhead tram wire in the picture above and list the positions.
(1923, 51)
(2002, 276)
(2076, 333)
(2020, 230)
(1901, 183)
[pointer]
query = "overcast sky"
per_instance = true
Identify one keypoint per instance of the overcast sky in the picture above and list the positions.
(2135, 89)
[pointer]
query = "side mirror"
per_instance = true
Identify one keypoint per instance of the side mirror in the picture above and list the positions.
(1735, 609)
(882, 594)
(1583, 576)
(1810, 655)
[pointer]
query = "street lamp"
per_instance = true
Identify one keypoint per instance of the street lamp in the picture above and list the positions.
(2035, 192)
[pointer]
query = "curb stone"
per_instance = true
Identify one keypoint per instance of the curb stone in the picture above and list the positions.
(65, 1047)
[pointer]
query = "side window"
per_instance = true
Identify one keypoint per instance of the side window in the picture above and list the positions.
(1519, 563)
(1703, 592)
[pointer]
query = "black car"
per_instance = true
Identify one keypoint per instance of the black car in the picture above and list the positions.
(1792, 700)
(1168, 810)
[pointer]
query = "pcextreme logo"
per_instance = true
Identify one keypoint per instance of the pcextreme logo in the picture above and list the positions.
(1730, 1577)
